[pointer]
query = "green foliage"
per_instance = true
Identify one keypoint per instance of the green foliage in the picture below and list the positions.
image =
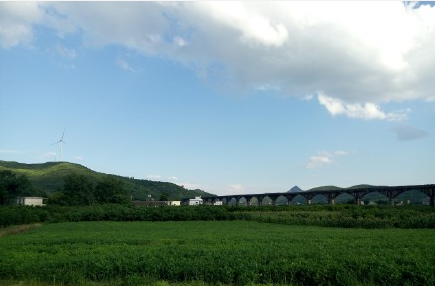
(219, 253)
(12, 186)
(15, 215)
(163, 197)
(111, 191)
(347, 216)
(78, 190)
(344, 216)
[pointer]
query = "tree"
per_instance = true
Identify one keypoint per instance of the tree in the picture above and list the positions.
(12, 186)
(164, 197)
(78, 190)
(111, 190)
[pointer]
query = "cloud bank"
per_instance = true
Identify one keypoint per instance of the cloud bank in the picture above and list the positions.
(406, 132)
(299, 48)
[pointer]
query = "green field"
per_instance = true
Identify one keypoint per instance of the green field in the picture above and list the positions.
(216, 252)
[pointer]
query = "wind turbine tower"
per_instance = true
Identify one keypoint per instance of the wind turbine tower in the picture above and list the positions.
(60, 142)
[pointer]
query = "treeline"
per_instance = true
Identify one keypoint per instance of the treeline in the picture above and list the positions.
(16, 215)
(345, 216)
(13, 186)
(79, 190)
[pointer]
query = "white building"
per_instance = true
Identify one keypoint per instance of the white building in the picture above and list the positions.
(218, 203)
(174, 203)
(195, 202)
(30, 201)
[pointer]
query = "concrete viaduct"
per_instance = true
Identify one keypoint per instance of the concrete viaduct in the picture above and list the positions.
(330, 195)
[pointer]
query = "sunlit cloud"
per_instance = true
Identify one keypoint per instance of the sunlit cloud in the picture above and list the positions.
(124, 65)
(49, 155)
(172, 178)
(324, 158)
(65, 52)
(367, 111)
(299, 46)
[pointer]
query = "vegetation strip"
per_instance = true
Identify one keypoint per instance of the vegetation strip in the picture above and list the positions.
(348, 216)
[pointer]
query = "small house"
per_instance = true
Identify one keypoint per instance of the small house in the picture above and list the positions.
(174, 203)
(30, 201)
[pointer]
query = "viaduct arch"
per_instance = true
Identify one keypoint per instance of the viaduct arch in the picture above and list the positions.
(358, 193)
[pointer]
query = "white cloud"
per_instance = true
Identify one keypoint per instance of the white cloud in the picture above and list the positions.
(341, 153)
(319, 160)
(49, 155)
(308, 97)
(180, 42)
(237, 188)
(251, 24)
(173, 178)
(268, 87)
(190, 186)
(430, 98)
(65, 52)
(298, 47)
(324, 158)
(16, 20)
(78, 158)
(153, 177)
(123, 64)
(367, 111)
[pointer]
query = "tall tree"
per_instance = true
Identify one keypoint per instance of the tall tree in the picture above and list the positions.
(111, 190)
(12, 186)
(78, 190)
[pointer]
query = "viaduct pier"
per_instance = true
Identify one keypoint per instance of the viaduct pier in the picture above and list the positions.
(330, 194)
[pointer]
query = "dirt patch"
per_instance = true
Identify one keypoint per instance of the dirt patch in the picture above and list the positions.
(17, 229)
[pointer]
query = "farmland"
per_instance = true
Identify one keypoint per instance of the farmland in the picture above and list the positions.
(217, 252)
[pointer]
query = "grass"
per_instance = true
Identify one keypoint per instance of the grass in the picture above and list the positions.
(217, 252)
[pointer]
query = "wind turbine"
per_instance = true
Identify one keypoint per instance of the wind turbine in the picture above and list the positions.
(60, 142)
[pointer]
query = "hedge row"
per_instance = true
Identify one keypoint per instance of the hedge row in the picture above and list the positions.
(15, 215)
(328, 216)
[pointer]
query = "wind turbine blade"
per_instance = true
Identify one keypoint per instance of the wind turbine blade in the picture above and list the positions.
(61, 139)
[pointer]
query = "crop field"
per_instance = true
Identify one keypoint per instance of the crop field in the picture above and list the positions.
(216, 252)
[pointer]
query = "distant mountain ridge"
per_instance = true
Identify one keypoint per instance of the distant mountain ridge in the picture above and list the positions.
(49, 177)
(322, 188)
(296, 189)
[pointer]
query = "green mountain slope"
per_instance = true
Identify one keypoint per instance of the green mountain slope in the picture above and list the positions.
(49, 178)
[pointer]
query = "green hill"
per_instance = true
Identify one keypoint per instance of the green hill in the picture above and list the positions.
(49, 177)
(325, 188)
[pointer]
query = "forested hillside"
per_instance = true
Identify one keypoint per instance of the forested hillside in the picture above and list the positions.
(49, 177)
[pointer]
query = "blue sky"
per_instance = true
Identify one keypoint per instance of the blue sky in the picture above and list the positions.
(228, 97)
